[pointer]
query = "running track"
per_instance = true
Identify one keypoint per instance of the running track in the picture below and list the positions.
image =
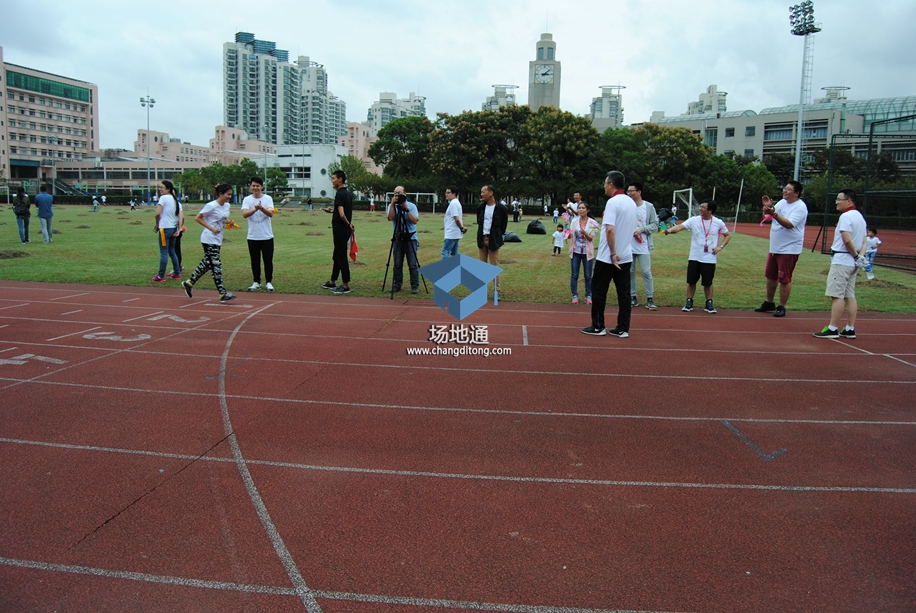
(284, 453)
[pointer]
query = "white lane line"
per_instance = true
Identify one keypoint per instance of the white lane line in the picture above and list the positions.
(72, 312)
(887, 355)
(74, 334)
(369, 405)
(199, 302)
(525, 335)
(292, 571)
(8, 349)
(119, 574)
(14, 306)
(73, 296)
(4, 326)
(286, 591)
(477, 477)
(142, 316)
(854, 347)
(131, 299)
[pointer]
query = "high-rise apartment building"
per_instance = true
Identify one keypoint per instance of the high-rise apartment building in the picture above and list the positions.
(606, 111)
(274, 100)
(712, 101)
(503, 95)
(389, 107)
(44, 118)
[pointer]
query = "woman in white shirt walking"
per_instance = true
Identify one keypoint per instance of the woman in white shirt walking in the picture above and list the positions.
(213, 217)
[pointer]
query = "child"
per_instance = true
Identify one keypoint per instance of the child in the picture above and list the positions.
(556, 214)
(871, 251)
(559, 237)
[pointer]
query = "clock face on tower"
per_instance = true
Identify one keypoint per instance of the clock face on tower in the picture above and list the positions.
(543, 73)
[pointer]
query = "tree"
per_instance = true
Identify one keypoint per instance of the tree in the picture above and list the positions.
(194, 183)
(358, 179)
(758, 181)
(559, 147)
(782, 165)
(482, 147)
(403, 148)
(663, 159)
(722, 175)
(276, 180)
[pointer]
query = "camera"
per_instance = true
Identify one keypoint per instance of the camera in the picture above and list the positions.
(400, 198)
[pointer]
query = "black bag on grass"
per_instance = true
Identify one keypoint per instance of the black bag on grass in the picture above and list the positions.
(511, 237)
(536, 227)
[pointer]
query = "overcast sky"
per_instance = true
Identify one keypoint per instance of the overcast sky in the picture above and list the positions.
(664, 52)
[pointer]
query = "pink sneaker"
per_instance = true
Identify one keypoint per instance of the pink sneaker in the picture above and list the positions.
(575, 300)
(588, 300)
(174, 275)
(158, 279)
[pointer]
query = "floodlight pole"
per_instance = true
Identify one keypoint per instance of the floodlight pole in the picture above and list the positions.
(801, 17)
(148, 103)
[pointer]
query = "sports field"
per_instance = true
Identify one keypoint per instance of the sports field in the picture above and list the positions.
(118, 247)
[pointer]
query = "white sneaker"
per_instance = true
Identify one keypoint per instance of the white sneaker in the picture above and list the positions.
(254, 287)
(269, 286)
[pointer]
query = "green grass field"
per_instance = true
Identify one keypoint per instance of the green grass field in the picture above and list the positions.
(118, 247)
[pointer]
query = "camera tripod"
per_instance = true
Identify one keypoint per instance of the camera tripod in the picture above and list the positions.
(404, 239)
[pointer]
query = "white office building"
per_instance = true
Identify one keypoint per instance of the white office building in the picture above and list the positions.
(306, 167)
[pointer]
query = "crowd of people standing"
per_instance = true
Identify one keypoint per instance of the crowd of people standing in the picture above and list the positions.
(605, 249)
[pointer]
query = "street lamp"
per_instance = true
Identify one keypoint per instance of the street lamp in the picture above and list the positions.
(148, 103)
(801, 18)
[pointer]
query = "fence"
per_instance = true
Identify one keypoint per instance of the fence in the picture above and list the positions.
(891, 211)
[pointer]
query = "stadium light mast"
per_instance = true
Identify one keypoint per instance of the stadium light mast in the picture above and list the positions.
(148, 103)
(801, 18)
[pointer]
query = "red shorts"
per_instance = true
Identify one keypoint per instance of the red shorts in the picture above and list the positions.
(780, 266)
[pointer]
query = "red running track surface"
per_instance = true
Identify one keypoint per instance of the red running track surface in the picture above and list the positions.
(286, 453)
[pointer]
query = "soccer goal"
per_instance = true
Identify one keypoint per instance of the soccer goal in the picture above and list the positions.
(685, 197)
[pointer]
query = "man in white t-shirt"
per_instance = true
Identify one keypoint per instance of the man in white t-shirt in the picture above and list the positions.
(848, 255)
(787, 238)
(705, 230)
(646, 226)
(258, 208)
(454, 226)
(614, 258)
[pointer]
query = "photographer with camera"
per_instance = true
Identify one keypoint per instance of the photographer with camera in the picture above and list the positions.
(404, 216)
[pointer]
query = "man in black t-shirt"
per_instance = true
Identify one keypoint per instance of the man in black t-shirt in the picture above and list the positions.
(342, 229)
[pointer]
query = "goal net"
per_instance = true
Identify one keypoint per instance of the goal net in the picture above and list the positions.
(685, 202)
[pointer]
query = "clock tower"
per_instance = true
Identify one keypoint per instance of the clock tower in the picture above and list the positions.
(544, 75)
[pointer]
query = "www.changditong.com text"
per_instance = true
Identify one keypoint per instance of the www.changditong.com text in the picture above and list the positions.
(457, 351)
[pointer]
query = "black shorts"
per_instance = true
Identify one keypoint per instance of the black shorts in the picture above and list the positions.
(696, 269)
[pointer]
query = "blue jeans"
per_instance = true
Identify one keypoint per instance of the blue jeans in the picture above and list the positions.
(166, 240)
(582, 258)
(450, 247)
(400, 250)
(45, 228)
(23, 227)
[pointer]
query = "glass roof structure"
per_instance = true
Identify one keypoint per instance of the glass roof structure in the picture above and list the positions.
(702, 116)
(877, 109)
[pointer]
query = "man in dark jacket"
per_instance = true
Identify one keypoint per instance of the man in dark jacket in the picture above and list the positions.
(492, 220)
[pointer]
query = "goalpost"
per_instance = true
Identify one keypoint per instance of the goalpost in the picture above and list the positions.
(686, 198)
